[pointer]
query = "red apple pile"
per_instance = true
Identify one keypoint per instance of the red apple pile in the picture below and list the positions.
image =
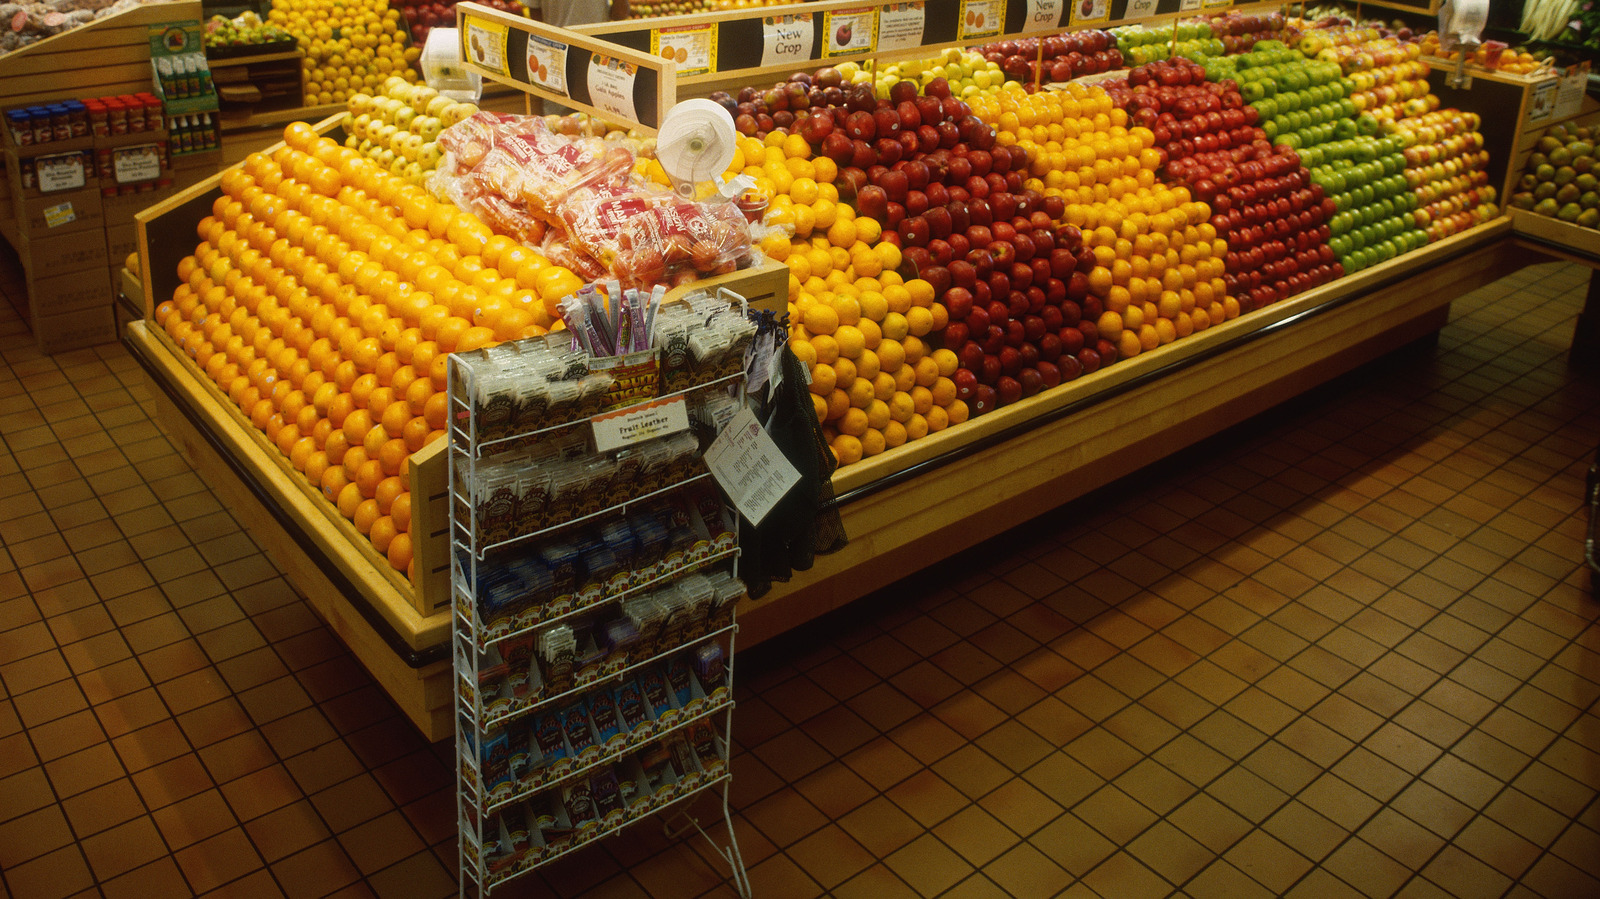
(1239, 32)
(423, 15)
(787, 104)
(1187, 113)
(1066, 56)
(1272, 216)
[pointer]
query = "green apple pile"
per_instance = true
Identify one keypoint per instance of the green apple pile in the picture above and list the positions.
(1365, 177)
(1560, 179)
(1301, 102)
(400, 127)
(1141, 44)
(246, 28)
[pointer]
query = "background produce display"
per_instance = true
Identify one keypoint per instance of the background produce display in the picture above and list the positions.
(36, 20)
(351, 46)
(421, 16)
(244, 30)
(1560, 179)
(957, 240)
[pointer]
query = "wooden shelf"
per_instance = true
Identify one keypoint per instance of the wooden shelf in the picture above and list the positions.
(232, 61)
(106, 56)
(931, 498)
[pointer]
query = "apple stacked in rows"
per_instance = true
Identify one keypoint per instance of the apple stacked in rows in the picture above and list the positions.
(1186, 113)
(1365, 178)
(1446, 167)
(399, 129)
(1142, 44)
(1060, 57)
(1301, 102)
(1325, 38)
(1239, 32)
(1389, 78)
(966, 71)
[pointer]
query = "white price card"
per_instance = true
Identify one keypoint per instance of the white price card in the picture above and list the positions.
(1217, 4)
(900, 26)
(1140, 9)
(61, 172)
(134, 165)
(637, 424)
(692, 47)
(1090, 12)
(750, 467)
(485, 44)
(611, 86)
(981, 18)
(547, 64)
(849, 31)
(60, 214)
(786, 40)
(1043, 15)
(1188, 5)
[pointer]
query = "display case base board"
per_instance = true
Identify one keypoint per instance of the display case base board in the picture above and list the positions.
(421, 692)
(913, 522)
(1580, 241)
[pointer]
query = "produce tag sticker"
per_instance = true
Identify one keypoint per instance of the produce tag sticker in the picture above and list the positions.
(1188, 5)
(1043, 15)
(133, 165)
(786, 40)
(749, 467)
(1139, 9)
(485, 44)
(900, 26)
(850, 31)
(547, 64)
(611, 86)
(982, 18)
(60, 214)
(692, 47)
(1090, 12)
(637, 424)
(58, 173)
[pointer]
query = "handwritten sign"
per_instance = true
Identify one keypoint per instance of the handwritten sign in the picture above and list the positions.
(786, 40)
(850, 31)
(900, 26)
(1139, 9)
(611, 86)
(692, 47)
(1043, 15)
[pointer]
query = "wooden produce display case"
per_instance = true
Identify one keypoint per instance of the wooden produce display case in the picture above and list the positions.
(106, 57)
(259, 83)
(931, 498)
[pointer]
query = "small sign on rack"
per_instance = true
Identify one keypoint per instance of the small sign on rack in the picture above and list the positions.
(63, 171)
(749, 466)
(901, 26)
(136, 164)
(786, 39)
(636, 424)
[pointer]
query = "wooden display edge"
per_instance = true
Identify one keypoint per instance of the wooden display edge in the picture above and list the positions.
(906, 523)
(234, 61)
(204, 431)
(1090, 388)
(1574, 242)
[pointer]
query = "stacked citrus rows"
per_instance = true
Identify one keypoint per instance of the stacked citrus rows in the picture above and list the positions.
(350, 46)
(324, 298)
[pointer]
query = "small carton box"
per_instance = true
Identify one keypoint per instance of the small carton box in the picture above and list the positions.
(51, 255)
(120, 210)
(74, 292)
(65, 213)
(122, 238)
(58, 333)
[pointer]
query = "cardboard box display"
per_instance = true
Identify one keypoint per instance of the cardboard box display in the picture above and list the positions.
(74, 292)
(60, 254)
(67, 213)
(119, 211)
(58, 333)
(121, 239)
(14, 171)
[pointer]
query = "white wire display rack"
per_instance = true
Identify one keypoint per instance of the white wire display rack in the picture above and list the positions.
(554, 755)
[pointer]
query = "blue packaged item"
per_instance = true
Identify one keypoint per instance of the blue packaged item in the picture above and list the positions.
(631, 706)
(603, 713)
(549, 738)
(575, 724)
(680, 681)
(657, 695)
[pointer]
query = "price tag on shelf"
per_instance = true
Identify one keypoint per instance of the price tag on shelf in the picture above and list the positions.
(60, 214)
(547, 64)
(900, 26)
(1217, 4)
(1042, 15)
(692, 47)
(850, 31)
(786, 40)
(1140, 9)
(636, 424)
(1188, 5)
(981, 19)
(133, 165)
(1090, 12)
(611, 86)
(485, 44)
(750, 467)
(60, 172)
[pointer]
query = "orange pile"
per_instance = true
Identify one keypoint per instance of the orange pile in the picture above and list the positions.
(324, 299)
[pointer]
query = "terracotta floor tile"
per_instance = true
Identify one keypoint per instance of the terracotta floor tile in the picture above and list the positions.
(1025, 871)
(286, 831)
(830, 856)
(417, 877)
(197, 818)
(123, 848)
(316, 871)
(64, 736)
(235, 757)
(84, 770)
(778, 876)
(33, 835)
(172, 781)
(61, 873)
(103, 807)
(159, 878)
(928, 865)
(218, 860)
(880, 826)
(260, 792)
(148, 746)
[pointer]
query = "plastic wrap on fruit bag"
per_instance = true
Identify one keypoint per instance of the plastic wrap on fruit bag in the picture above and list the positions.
(467, 142)
(548, 178)
(556, 249)
(680, 241)
(595, 216)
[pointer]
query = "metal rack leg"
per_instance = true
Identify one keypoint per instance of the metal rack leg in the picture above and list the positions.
(729, 853)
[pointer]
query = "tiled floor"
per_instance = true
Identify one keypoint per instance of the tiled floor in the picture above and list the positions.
(1350, 650)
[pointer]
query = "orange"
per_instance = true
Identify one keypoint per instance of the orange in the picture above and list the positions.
(392, 455)
(399, 552)
(417, 394)
(382, 534)
(415, 433)
(357, 425)
(366, 513)
(395, 417)
(400, 511)
(349, 499)
(336, 446)
(436, 410)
